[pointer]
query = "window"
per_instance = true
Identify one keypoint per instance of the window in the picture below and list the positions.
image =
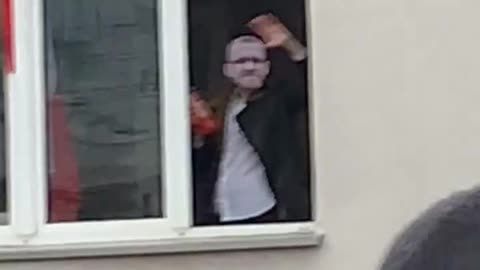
(157, 126)
(103, 110)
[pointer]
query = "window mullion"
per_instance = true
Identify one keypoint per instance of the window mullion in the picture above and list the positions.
(175, 116)
(25, 122)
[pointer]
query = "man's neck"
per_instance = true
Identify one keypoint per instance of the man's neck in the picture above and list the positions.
(244, 93)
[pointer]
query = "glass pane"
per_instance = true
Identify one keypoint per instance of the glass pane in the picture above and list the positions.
(103, 110)
(249, 111)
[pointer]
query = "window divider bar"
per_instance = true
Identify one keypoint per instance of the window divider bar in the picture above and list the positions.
(172, 17)
(25, 123)
(40, 111)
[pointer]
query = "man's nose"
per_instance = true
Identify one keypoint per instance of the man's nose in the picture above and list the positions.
(249, 65)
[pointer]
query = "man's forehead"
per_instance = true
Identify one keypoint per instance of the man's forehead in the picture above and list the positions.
(245, 46)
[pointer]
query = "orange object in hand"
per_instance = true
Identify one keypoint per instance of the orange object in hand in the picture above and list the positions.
(201, 116)
(204, 126)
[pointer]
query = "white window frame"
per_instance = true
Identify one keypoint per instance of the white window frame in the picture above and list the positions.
(30, 236)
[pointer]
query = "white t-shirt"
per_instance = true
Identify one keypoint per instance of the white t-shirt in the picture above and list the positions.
(242, 189)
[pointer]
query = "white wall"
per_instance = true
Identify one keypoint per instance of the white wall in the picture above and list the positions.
(398, 127)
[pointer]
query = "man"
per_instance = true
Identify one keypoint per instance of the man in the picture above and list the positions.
(250, 169)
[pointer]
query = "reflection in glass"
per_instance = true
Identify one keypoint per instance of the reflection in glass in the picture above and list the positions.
(103, 110)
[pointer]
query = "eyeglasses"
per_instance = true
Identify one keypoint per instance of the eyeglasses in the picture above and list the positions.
(246, 60)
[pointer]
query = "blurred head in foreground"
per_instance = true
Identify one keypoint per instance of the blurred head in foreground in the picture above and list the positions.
(445, 237)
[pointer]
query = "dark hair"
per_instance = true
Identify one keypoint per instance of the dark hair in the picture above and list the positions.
(446, 236)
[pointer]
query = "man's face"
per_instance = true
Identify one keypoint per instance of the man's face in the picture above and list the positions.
(246, 64)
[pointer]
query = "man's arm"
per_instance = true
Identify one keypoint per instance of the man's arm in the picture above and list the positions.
(202, 119)
(295, 85)
(276, 35)
(296, 50)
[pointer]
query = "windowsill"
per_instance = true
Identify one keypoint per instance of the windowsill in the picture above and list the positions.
(196, 240)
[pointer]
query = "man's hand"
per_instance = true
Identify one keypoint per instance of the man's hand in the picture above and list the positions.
(201, 116)
(272, 31)
(275, 34)
(198, 107)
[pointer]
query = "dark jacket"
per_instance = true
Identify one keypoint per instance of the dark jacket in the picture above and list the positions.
(270, 123)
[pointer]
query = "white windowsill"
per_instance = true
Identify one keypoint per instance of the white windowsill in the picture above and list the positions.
(197, 240)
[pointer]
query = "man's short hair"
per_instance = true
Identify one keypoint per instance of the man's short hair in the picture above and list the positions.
(242, 38)
(446, 237)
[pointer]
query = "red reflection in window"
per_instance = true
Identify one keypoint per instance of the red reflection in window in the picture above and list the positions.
(7, 36)
(64, 181)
